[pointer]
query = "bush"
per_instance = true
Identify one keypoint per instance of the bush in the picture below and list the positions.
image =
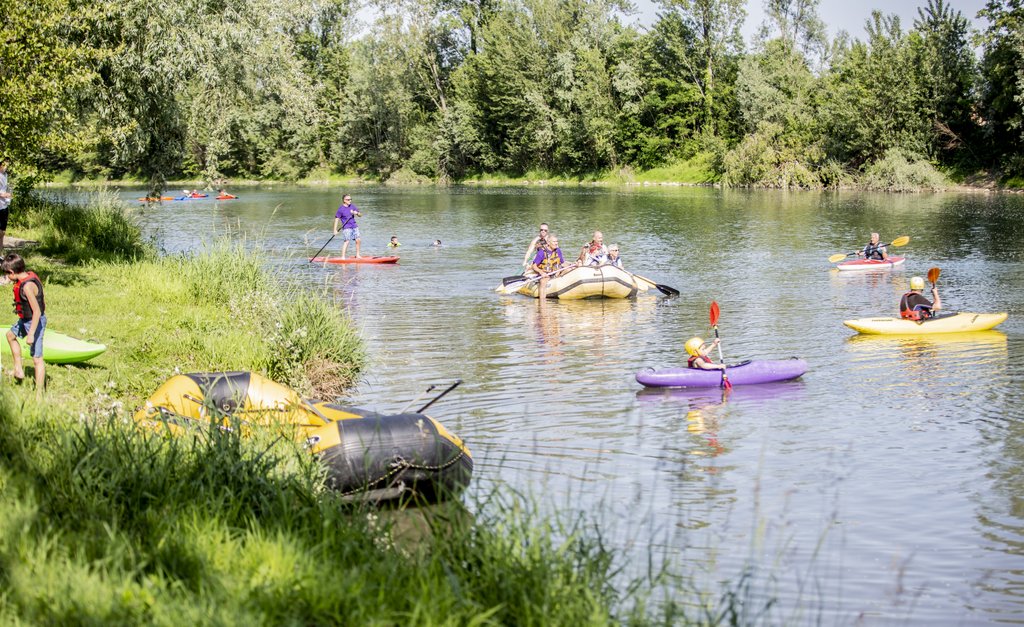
(896, 172)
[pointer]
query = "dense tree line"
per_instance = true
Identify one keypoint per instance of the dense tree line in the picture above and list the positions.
(445, 89)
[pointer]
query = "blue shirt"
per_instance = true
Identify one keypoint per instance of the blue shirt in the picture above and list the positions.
(347, 216)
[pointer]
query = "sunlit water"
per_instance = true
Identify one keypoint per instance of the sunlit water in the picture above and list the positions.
(886, 486)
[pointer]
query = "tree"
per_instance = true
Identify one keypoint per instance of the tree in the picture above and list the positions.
(1002, 70)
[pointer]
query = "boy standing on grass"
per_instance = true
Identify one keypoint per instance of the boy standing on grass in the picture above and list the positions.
(31, 309)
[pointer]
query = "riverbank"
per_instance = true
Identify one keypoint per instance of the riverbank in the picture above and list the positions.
(101, 522)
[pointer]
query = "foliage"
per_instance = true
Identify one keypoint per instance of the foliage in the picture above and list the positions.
(895, 172)
(1002, 71)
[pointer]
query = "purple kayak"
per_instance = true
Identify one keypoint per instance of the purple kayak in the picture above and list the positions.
(756, 371)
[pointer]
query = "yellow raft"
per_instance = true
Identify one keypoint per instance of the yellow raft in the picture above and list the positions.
(589, 282)
(368, 455)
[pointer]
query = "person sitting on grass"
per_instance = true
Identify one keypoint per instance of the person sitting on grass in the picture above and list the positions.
(30, 306)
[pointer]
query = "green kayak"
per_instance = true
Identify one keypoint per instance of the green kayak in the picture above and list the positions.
(59, 348)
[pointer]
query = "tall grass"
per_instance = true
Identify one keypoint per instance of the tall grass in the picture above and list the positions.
(103, 229)
(101, 523)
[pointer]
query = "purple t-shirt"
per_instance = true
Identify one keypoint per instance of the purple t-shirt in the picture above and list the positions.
(347, 217)
(539, 257)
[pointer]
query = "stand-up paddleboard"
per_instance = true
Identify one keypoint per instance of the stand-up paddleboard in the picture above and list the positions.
(354, 260)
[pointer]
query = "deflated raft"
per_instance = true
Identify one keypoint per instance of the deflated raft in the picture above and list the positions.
(589, 282)
(368, 455)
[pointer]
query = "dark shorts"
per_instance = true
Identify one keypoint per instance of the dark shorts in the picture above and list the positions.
(20, 329)
(4, 214)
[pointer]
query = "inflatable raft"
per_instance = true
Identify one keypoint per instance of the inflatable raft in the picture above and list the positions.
(354, 260)
(589, 282)
(948, 323)
(871, 264)
(746, 373)
(59, 348)
(372, 456)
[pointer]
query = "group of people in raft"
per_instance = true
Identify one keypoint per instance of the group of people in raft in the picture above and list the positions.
(544, 257)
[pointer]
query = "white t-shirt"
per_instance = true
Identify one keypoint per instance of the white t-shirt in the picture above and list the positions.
(4, 188)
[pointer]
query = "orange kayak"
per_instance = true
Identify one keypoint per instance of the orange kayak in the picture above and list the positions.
(156, 199)
(354, 260)
(226, 197)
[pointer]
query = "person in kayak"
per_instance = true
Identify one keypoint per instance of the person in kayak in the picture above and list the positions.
(913, 304)
(698, 352)
(613, 256)
(30, 306)
(594, 252)
(536, 244)
(345, 218)
(394, 243)
(873, 249)
(548, 260)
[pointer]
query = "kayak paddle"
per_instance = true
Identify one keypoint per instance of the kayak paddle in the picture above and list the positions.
(714, 323)
(664, 289)
(899, 241)
(322, 248)
(933, 275)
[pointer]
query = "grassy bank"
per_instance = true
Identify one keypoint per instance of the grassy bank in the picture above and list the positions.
(101, 523)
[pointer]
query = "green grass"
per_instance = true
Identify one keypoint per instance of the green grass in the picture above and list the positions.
(695, 170)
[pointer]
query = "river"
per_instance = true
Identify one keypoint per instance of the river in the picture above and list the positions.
(885, 486)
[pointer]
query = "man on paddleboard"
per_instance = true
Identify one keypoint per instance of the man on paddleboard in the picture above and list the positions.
(345, 218)
(874, 250)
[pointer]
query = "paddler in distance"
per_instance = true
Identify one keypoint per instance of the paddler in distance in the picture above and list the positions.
(873, 249)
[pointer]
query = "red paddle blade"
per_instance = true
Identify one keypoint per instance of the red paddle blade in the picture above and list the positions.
(933, 274)
(714, 313)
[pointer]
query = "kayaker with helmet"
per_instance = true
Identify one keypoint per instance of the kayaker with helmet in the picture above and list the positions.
(873, 249)
(913, 304)
(536, 244)
(698, 352)
(30, 306)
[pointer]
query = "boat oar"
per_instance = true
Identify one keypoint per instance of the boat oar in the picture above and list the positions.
(933, 275)
(664, 289)
(438, 397)
(322, 248)
(514, 285)
(899, 241)
(714, 323)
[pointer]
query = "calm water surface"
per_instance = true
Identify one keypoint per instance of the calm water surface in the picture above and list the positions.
(884, 487)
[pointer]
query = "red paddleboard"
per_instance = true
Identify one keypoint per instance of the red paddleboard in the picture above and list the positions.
(354, 260)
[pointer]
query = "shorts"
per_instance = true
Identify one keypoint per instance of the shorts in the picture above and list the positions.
(4, 214)
(350, 234)
(20, 329)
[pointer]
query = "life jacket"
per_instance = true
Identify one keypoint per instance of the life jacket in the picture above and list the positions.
(692, 361)
(918, 312)
(873, 251)
(551, 261)
(21, 305)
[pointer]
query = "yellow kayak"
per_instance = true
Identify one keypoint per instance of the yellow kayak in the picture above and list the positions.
(588, 282)
(948, 323)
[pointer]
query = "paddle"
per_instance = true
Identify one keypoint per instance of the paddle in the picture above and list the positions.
(899, 241)
(714, 323)
(513, 286)
(933, 275)
(664, 289)
(322, 248)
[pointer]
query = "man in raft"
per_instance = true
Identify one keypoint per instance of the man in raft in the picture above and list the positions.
(913, 304)
(594, 253)
(536, 244)
(548, 261)
(30, 306)
(873, 249)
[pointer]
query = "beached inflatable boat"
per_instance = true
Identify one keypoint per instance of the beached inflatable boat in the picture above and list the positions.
(368, 455)
(589, 282)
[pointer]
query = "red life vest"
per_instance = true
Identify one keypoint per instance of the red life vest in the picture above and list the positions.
(908, 313)
(691, 362)
(21, 305)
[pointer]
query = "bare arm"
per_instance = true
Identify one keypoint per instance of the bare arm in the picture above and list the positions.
(337, 222)
(936, 302)
(32, 292)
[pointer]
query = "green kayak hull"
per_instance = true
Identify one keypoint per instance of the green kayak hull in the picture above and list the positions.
(59, 348)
